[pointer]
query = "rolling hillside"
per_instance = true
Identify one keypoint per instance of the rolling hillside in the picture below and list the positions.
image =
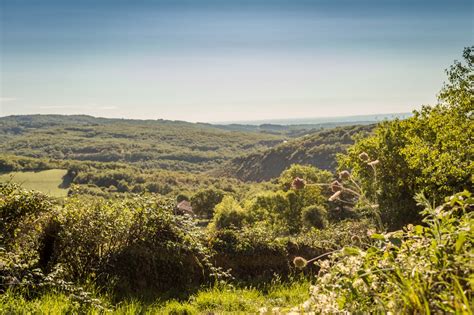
(318, 149)
(173, 145)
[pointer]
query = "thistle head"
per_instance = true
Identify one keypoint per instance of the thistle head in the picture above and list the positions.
(344, 175)
(300, 262)
(298, 183)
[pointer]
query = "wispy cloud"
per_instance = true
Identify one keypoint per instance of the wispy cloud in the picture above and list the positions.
(7, 99)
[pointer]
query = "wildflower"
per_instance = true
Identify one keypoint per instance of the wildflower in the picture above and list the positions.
(298, 183)
(344, 175)
(373, 163)
(335, 196)
(336, 186)
(364, 156)
(300, 262)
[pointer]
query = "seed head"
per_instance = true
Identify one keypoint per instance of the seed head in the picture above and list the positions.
(344, 175)
(298, 183)
(335, 196)
(300, 262)
(364, 156)
(336, 186)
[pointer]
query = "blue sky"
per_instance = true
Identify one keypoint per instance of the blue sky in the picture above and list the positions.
(227, 60)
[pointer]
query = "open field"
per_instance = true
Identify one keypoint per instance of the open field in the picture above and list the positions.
(48, 182)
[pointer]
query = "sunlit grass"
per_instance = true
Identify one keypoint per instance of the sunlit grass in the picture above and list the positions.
(47, 182)
(220, 299)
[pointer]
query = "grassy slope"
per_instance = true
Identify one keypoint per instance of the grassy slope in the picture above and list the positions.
(47, 182)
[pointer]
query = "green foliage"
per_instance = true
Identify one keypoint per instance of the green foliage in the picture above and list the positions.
(204, 201)
(171, 145)
(282, 209)
(423, 269)
(11, 163)
(217, 299)
(228, 300)
(11, 303)
(458, 90)
(336, 235)
(308, 173)
(98, 241)
(228, 214)
(429, 153)
(314, 216)
(18, 205)
(177, 308)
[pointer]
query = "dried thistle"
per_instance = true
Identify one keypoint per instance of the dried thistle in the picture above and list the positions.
(298, 183)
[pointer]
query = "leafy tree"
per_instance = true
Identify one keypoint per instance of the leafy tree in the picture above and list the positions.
(430, 152)
(306, 172)
(204, 201)
(228, 213)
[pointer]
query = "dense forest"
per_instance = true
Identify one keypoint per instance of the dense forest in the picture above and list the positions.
(370, 219)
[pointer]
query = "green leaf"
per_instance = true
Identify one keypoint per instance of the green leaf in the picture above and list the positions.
(395, 241)
(419, 229)
(352, 251)
(460, 241)
(378, 236)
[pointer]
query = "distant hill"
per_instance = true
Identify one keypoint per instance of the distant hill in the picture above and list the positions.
(173, 145)
(291, 131)
(318, 149)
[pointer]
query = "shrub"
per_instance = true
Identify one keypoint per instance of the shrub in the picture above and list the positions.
(228, 214)
(16, 206)
(314, 216)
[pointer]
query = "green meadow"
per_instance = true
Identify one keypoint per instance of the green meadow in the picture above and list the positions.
(48, 182)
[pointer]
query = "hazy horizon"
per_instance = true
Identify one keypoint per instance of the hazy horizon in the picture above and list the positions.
(214, 61)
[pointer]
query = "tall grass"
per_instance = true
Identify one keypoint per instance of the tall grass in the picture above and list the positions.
(218, 298)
